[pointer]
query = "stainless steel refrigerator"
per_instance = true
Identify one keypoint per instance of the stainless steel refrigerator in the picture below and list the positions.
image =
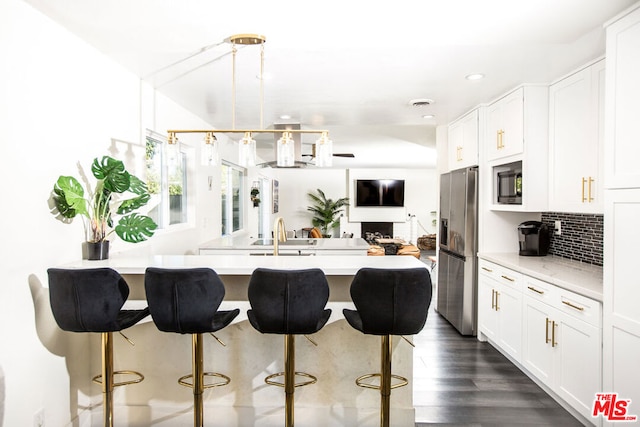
(458, 248)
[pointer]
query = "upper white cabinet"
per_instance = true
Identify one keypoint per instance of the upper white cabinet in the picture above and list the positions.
(576, 134)
(622, 130)
(463, 141)
(505, 126)
(517, 131)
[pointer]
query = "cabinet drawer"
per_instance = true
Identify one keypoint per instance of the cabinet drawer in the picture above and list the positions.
(500, 274)
(539, 290)
(580, 307)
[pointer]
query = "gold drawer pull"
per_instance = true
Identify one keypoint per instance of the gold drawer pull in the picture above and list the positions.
(508, 278)
(493, 299)
(553, 333)
(573, 306)
(487, 269)
(535, 290)
(546, 332)
(584, 181)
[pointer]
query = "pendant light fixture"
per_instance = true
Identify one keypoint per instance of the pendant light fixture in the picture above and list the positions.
(173, 149)
(285, 146)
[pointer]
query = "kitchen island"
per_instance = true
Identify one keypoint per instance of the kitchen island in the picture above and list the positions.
(342, 353)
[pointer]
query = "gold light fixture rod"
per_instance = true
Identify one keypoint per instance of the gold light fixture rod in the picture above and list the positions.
(214, 131)
(247, 39)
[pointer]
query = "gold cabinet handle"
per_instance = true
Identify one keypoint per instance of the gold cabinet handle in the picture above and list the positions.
(458, 153)
(546, 331)
(553, 334)
(487, 269)
(584, 181)
(508, 278)
(493, 296)
(499, 139)
(573, 306)
(535, 290)
(589, 198)
(497, 296)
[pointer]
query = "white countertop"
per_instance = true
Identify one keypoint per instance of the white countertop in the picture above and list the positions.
(331, 265)
(581, 278)
(244, 242)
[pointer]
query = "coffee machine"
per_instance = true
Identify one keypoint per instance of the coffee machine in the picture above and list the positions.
(533, 238)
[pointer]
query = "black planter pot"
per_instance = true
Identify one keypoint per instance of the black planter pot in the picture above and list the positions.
(95, 251)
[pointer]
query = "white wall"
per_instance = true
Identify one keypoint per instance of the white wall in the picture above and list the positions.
(62, 102)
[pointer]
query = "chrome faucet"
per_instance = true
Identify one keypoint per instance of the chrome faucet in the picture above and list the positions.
(279, 234)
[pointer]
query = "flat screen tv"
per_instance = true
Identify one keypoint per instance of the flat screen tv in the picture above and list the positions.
(380, 192)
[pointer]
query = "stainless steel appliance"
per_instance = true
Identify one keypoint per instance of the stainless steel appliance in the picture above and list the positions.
(457, 255)
(509, 186)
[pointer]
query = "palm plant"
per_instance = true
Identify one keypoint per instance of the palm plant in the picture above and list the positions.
(325, 211)
(101, 205)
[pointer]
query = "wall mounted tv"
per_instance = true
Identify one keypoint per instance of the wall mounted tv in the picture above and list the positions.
(380, 192)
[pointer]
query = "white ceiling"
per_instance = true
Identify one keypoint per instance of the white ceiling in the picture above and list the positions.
(349, 67)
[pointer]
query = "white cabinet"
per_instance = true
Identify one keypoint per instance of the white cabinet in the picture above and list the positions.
(517, 131)
(622, 128)
(463, 141)
(621, 330)
(562, 346)
(576, 134)
(500, 307)
(505, 126)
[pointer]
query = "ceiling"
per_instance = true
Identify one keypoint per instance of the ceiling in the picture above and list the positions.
(349, 67)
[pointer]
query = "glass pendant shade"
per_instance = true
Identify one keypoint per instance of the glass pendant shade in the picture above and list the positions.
(324, 151)
(209, 153)
(285, 152)
(247, 151)
(173, 150)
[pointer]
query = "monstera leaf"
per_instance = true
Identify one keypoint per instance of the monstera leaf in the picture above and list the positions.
(135, 228)
(69, 197)
(113, 173)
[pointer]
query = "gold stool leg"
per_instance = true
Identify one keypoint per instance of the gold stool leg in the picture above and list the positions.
(289, 377)
(107, 379)
(198, 379)
(385, 381)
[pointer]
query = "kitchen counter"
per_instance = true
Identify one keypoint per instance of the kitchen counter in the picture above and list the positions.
(578, 277)
(245, 244)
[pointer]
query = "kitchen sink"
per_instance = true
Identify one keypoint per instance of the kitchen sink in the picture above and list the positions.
(290, 242)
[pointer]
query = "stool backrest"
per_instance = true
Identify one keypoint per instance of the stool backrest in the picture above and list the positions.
(392, 301)
(87, 300)
(183, 300)
(288, 301)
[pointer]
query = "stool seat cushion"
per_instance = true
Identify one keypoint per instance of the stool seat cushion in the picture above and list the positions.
(288, 301)
(90, 300)
(390, 301)
(186, 300)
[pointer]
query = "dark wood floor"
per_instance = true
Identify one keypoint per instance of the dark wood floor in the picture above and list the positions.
(461, 381)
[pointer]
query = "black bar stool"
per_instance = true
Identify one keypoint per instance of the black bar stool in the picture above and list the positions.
(388, 302)
(289, 303)
(186, 301)
(90, 300)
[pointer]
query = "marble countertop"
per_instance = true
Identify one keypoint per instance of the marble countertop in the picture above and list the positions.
(576, 276)
(244, 242)
(239, 265)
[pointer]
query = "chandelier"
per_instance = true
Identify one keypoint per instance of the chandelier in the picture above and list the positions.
(285, 145)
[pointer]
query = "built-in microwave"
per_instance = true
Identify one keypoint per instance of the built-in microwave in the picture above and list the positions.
(509, 184)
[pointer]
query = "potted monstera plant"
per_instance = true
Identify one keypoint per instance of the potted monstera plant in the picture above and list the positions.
(325, 211)
(116, 193)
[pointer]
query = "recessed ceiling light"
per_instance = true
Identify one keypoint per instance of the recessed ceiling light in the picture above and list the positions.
(285, 116)
(428, 116)
(475, 76)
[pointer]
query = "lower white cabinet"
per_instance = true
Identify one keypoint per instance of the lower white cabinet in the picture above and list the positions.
(500, 307)
(555, 335)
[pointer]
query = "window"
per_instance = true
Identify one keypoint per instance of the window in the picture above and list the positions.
(231, 198)
(167, 183)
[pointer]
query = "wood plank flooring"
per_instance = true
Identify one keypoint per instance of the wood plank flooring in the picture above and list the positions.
(461, 381)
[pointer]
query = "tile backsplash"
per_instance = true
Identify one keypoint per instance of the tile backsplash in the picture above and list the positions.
(581, 238)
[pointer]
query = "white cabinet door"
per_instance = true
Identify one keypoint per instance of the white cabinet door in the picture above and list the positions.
(622, 128)
(537, 354)
(505, 126)
(578, 362)
(509, 307)
(487, 315)
(463, 142)
(576, 106)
